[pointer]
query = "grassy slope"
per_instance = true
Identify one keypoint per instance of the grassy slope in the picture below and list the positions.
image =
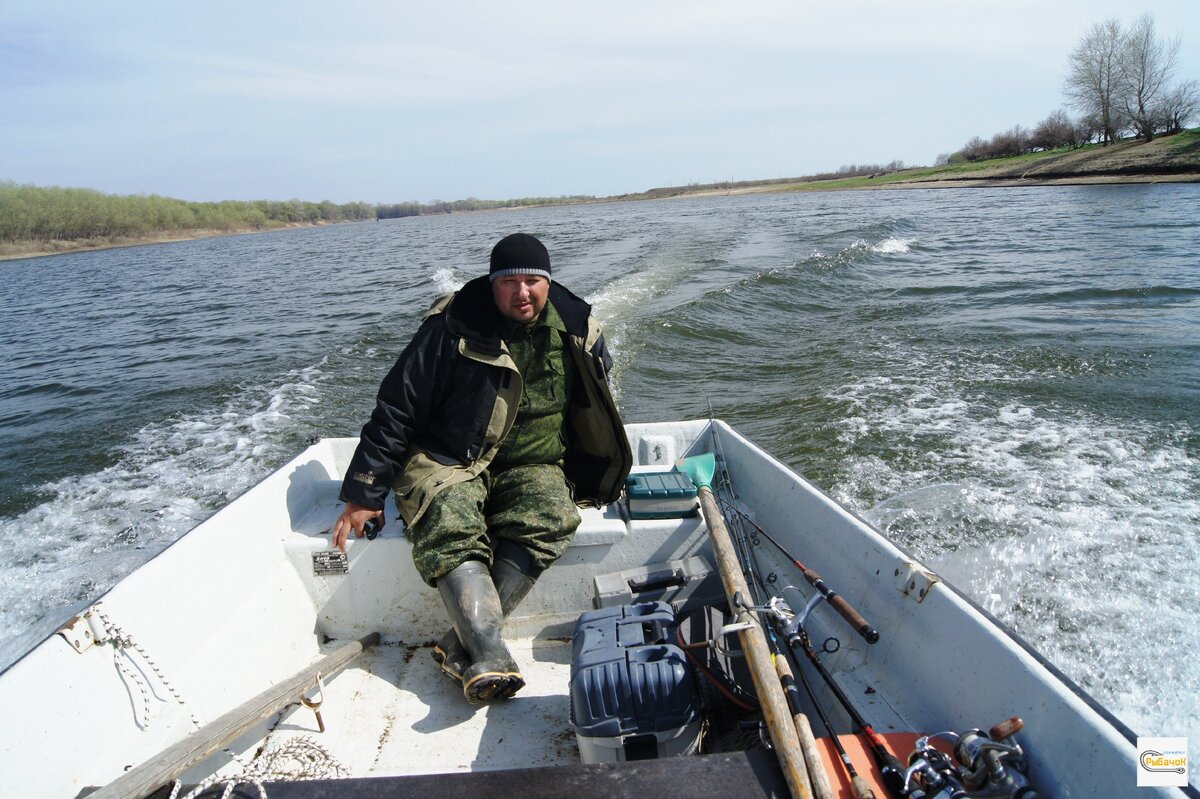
(1167, 158)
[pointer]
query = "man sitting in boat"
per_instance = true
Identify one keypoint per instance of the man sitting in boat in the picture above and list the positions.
(494, 422)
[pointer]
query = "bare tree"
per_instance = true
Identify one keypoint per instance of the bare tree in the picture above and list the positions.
(1179, 106)
(1093, 74)
(1146, 63)
(976, 149)
(1014, 141)
(1056, 130)
(1090, 129)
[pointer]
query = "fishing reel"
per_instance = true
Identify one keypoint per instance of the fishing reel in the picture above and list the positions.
(987, 765)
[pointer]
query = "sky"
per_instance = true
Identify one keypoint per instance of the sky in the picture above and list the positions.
(399, 101)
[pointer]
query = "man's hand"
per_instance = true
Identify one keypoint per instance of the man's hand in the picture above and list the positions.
(353, 518)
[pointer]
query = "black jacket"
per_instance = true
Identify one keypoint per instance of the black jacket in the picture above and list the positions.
(451, 398)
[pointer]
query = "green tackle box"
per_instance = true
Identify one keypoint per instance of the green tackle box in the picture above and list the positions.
(661, 495)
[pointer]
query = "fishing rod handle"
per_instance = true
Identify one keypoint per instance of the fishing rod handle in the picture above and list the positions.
(861, 788)
(869, 633)
(796, 602)
(844, 608)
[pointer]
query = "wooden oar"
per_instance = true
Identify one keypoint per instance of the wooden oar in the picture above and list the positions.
(818, 776)
(175, 760)
(758, 655)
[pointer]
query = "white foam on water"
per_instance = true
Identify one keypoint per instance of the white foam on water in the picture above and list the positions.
(445, 281)
(849, 254)
(625, 298)
(1077, 530)
(97, 527)
(893, 246)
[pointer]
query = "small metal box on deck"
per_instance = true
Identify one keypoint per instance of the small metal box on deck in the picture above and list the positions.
(685, 584)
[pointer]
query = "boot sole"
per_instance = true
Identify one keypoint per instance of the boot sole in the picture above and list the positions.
(492, 685)
(454, 668)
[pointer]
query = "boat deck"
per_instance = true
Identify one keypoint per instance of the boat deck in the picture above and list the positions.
(394, 713)
(400, 727)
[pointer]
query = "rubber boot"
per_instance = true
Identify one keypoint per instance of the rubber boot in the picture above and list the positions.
(473, 605)
(513, 574)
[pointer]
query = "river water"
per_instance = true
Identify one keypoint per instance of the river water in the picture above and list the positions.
(1007, 382)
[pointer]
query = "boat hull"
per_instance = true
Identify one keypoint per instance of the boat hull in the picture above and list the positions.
(246, 599)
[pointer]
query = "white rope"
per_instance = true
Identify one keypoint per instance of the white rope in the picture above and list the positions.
(281, 759)
(296, 758)
(123, 643)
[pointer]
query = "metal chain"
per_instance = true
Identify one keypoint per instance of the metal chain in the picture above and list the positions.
(123, 642)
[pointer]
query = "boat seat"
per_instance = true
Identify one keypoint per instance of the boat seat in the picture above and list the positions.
(606, 524)
(379, 581)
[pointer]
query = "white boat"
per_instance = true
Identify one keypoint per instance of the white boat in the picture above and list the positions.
(177, 652)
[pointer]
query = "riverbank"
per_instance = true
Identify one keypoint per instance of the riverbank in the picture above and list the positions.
(1167, 159)
(11, 251)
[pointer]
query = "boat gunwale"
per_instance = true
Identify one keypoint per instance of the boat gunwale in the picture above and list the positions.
(82, 606)
(1091, 702)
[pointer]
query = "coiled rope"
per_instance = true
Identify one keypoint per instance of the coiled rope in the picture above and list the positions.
(281, 759)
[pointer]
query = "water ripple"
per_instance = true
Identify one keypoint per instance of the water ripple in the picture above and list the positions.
(1005, 380)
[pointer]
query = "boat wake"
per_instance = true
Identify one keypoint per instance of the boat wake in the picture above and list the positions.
(1057, 521)
(95, 528)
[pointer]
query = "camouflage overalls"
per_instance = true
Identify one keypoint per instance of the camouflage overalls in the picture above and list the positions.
(523, 495)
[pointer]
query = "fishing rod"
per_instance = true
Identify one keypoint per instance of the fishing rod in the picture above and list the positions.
(775, 710)
(745, 551)
(894, 774)
(811, 771)
(984, 764)
(860, 789)
(858, 786)
(839, 603)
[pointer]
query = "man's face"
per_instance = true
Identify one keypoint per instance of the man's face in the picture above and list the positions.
(521, 297)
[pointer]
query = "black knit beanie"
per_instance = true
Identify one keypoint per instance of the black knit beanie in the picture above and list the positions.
(519, 254)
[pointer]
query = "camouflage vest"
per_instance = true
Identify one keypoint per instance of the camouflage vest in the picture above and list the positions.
(538, 434)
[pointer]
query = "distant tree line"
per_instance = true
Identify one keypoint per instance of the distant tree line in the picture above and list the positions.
(1119, 81)
(398, 210)
(859, 170)
(35, 213)
(844, 171)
